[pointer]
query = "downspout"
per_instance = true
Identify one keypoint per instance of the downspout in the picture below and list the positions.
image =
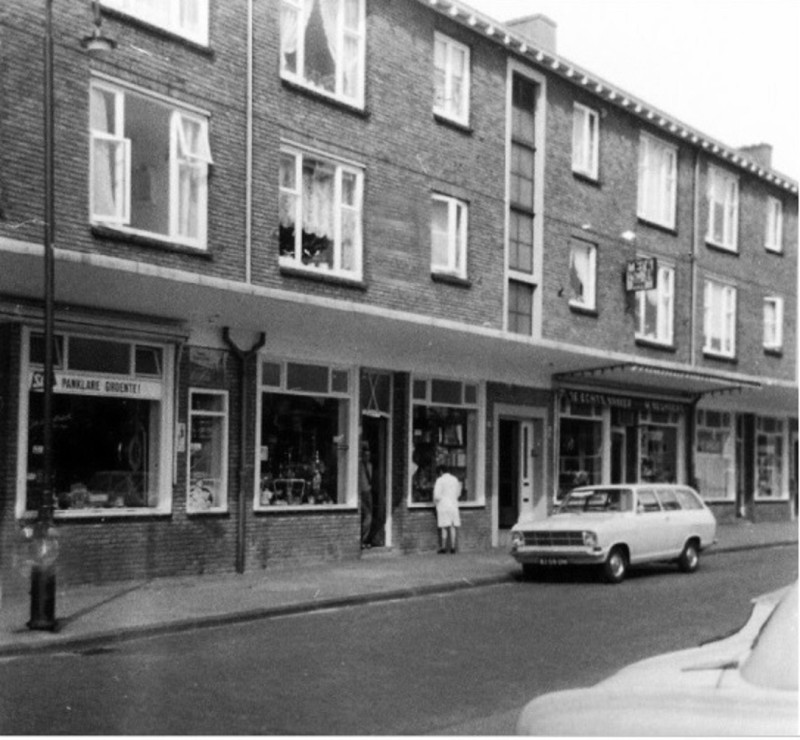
(691, 431)
(693, 259)
(243, 356)
(248, 178)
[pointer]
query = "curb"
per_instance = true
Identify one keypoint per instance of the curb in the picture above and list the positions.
(126, 634)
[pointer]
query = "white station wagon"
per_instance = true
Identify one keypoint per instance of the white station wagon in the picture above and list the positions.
(617, 526)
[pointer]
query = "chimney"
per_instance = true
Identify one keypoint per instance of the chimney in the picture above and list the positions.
(761, 153)
(538, 30)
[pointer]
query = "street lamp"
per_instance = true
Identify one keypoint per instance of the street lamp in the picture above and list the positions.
(43, 577)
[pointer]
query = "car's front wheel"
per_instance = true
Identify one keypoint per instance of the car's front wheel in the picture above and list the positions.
(689, 560)
(616, 565)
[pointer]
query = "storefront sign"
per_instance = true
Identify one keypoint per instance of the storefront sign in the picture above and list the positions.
(99, 385)
(641, 273)
(624, 402)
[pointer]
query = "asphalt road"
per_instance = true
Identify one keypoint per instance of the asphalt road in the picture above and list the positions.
(461, 663)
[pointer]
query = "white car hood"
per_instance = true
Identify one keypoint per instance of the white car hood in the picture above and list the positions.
(569, 522)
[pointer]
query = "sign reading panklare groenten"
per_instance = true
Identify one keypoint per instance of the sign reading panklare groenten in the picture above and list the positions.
(93, 385)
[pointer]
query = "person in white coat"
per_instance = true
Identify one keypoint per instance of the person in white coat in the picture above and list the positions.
(446, 492)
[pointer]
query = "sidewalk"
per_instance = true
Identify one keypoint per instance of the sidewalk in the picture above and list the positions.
(92, 615)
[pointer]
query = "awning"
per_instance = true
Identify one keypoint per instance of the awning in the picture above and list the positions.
(639, 377)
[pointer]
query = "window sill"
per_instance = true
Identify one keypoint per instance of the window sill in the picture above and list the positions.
(463, 128)
(305, 508)
(773, 351)
(583, 310)
(585, 177)
(112, 513)
(717, 247)
(448, 279)
(777, 251)
(672, 230)
(208, 512)
(159, 31)
(655, 344)
(151, 242)
(730, 359)
(461, 505)
(319, 276)
(319, 95)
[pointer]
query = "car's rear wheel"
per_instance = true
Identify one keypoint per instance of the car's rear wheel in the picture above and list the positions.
(689, 561)
(616, 565)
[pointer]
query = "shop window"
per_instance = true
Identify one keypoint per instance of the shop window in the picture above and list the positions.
(657, 184)
(304, 435)
(451, 79)
(655, 308)
(659, 453)
(580, 460)
(769, 458)
(444, 432)
(188, 18)
(322, 46)
(715, 455)
(723, 209)
(133, 136)
(207, 457)
(109, 426)
(719, 319)
(324, 198)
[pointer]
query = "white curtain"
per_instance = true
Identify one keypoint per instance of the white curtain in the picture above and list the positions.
(330, 10)
(289, 24)
(318, 198)
(104, 201)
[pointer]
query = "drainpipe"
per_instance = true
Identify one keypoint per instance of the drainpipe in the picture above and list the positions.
(248, 179)
(693, 259)
(691, 431)
(243, 356)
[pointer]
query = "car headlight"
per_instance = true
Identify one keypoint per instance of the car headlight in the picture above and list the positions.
(589, 539)
(517, 539)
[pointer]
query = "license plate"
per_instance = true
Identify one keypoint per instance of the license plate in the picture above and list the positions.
(552, 561)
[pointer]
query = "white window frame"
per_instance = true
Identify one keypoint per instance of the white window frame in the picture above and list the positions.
(187, 18)
(723, 192)
(457, 238)
(718, 427)
(664, 294)
(776, 431)
(589, 284)
(773, 322)
(295, 12)
(719, 318)
(295, 261)
(447, 107)
(585, 140)
(181, 156)
(773, 239)
(657, 181)
(223, 480)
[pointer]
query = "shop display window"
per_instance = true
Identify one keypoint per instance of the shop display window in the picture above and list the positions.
(304, 433)
(580, 453)
(208, 451)
(659, 453)
(107, 424)
(769, 458)
(444, 432)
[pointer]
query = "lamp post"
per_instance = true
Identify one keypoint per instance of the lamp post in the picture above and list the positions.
(43, 576)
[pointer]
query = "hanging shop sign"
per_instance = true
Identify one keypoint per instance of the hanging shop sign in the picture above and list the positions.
(98, 385)
(624, 402)
(641, 274)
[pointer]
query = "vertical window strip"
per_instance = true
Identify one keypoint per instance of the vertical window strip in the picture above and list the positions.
(774, 235)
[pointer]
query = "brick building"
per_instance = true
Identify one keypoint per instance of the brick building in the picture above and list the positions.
(286, 228)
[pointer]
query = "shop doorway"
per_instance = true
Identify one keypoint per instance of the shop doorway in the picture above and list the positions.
(520, 469)
(374, 431)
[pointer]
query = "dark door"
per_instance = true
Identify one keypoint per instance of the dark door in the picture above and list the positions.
(375, 432)
(508, 473)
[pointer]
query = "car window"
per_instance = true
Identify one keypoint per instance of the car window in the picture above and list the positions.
(601, 499)
(688, 498)
(669, 501)
(648, 503)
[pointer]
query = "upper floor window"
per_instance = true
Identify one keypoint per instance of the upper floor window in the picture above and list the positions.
(774, 237)
(656, 308)
(451, 79)
(723, 208)
(448, 236)
(187, 18)
(773, 323)
(585, 140)
(719, 319)
(148, 165)
(322, 46)
(582, 274)
(658, 170)
(320, 214)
